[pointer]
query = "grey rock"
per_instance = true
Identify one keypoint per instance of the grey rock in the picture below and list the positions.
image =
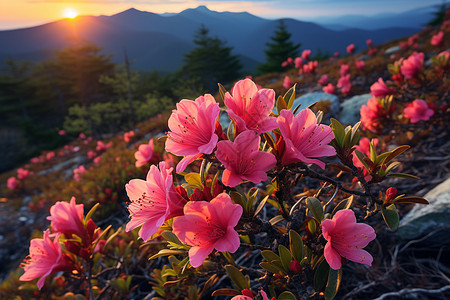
(224, 120)
(424, 219)
(350, 108)
(364, 57)
(74, 161)
(392, 50)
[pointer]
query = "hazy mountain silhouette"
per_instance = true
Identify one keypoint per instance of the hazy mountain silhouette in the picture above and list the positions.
(156, 41)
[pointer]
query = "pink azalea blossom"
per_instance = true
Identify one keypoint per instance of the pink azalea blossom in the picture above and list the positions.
(67, 218)
(192, 127)
(12, 183)
(437, 39)
(350, 48)
(372, 51)
(62, 132)
(82, 136)
(209, 225)
(360, 64)
(153, 201)
(336, 54)
(287, 82)
(364, 147)
(128, 135)
(284, 64)
(323, 80)
(380, 90)
(50, 155)
(310, 67)
(23, 173)
(345, 84)
(417, 111)
(413, 65)
(243, 160)
(247, 295)
(369, 42)
(372, 115)
(91, 154)
(290, 60)
(346, 238)
(304, 138)
(45, 257)
(34, 160)
(77, 172)
(413, 39)
(250, 108)
(305, 54)
(344, 70)
(298, 62)
(102, 146)
(97, 160)
(329, 89)
(144, 154)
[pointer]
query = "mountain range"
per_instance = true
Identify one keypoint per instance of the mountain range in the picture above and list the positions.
(159, 41)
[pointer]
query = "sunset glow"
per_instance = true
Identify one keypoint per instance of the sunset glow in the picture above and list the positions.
(70, 13)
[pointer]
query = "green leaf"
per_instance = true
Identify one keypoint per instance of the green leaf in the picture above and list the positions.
(344, 204)
(361, 157)
(316, 208)
(226, 292)
(402, 175)
(270, 267)
(281, 104)
(167, 252)
(373, 152)
(296, 245)
(286, 296)
(312, 225)
(261, 205)
(222, 91)
(290, 96)
(390, 216)
(237, 277)
(412, 199)
(269, 139)
(355, 134)
(276, 219)
(396, 152)
(333, 283)
(285, 257)
(380, 158)
(228, 257)
(90, 213)
(321, 275)
(231, 131)
(194, 179)
(338, 130)
(269, 255)
(296, 109)
(392, 166)
(238, 198)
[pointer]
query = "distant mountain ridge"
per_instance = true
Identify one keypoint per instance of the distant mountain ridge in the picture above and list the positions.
(159, 42)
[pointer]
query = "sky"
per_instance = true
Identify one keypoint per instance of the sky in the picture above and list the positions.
(26, 13)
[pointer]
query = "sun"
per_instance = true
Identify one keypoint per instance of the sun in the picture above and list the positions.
(70, 13)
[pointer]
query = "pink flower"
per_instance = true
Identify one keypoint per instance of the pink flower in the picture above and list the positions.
(380, 90)
(298, 62)
(306, 54)
(413, 39)
(192, 127)
(287, 82)
(437, 39)
(23, 173)
(350, 48)
(360, 64)
(323, 80)
(144, 154)
(346, 238)
(290, 60)
(77, 172)
(243, 160)
(50, 155)
(250, 108)
(372, 115)
(345, 84)
(62, 132)
(329, 89)
(344, 70)
(91, 154)
(82, 136)
(336, 54)
(102, 146)
(284, 64)
(97, 160)
(128, 135)
(46, 257)
(12, 183)
(247, 295)
(304, 138)
(153, 201)
(310, 67)
(369, 42)
(34, 160)
(412, 66)
(372, 51)
(209, 225)
(67, 218)
(417, 111)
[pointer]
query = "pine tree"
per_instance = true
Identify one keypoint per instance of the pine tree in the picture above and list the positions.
(280, 49)
(210, 62)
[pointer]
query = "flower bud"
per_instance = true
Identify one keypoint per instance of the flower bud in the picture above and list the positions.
(391, 193)
(247, 293)
(294, 266)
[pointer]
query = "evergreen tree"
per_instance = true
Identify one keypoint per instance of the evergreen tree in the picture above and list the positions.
(280, 49)
(439, 15)
(210, 62)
